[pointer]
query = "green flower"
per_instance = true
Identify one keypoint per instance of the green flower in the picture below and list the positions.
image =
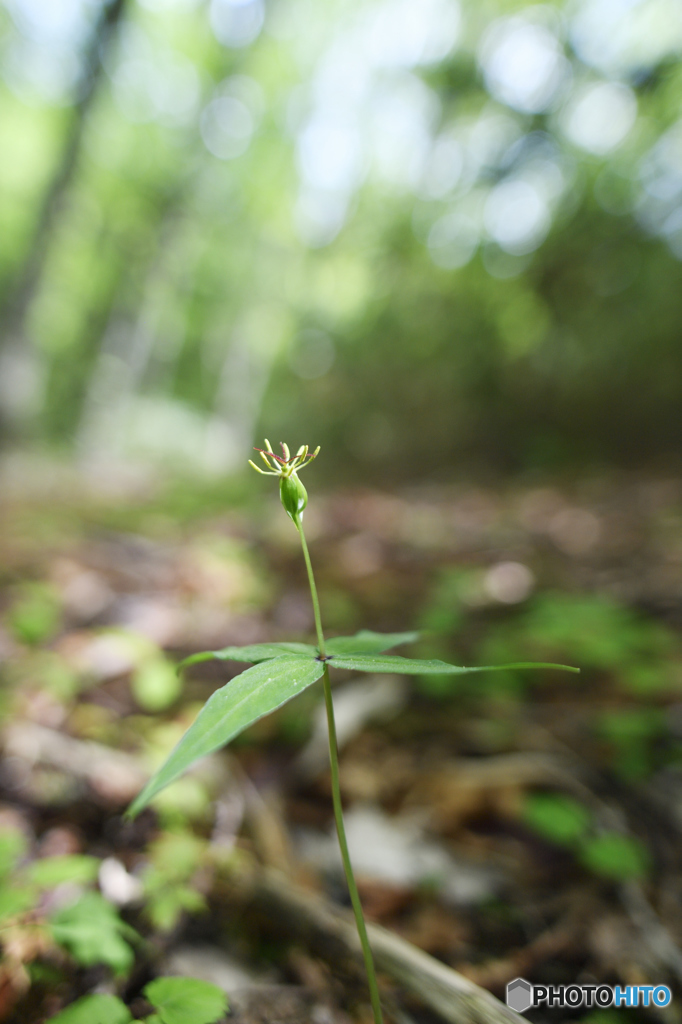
(291, 491)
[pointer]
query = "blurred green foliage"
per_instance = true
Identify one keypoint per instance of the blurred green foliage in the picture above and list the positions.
(372, 226)
(34, 615)
(104, 1009)
(641, 653)
(87, 926)
(156, 684)
(176, 1000)
(629, 661)
(556, 817)
(186, 1000)
(615, 856)
(633, 735)
(174, 859)
(562, 820)
(94, 933)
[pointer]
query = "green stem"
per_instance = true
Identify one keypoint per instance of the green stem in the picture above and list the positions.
(345, 855)
(336, 798)
(313, 591)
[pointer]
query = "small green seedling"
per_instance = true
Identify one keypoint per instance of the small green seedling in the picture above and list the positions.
(89, 928)
(175, 1000)
(282, 670)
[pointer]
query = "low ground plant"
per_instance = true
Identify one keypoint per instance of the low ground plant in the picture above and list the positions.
(282, 670)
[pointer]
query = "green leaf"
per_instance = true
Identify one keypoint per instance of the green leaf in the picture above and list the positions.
(97, 1009)
(53, 871)
(16, 901)
(615, 856)
(556, 817)
(367, 642)
(255, 653)
(92, 931)
(417, 667)
(229, 711)
(186, 1000)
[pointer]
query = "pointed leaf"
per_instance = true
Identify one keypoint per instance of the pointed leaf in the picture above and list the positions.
(229, 711)
(418, 667)
(367, 642)
(255, 653)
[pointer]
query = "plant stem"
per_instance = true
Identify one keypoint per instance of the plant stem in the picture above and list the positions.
(336, 798)
(313, 591)
(345, 855)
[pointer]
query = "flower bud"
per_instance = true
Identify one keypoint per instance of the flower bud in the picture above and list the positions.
(294, 496)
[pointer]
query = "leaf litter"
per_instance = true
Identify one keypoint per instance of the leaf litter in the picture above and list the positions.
(439, 775)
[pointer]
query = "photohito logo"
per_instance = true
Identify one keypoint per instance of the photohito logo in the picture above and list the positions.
(522, 996)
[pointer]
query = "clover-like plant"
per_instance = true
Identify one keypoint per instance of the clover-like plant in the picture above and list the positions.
(282, 670)
(175, 1000)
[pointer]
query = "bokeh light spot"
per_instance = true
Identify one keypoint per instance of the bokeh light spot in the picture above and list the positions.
(237, 23)
(600, 117)
(516, 216)
(523, 64)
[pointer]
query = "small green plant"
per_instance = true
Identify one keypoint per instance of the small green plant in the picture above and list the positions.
(175, 1000)
(174, 860)
(562, 820)
(282, 670)
(87, 927)
(93, 932)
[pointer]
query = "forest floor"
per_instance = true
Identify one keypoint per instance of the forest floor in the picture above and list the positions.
(516, 824)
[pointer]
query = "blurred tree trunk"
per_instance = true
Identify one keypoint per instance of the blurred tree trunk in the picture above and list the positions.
(18, 366)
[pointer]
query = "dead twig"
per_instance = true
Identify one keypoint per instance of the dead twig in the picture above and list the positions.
(455, 998)
(113, 774)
